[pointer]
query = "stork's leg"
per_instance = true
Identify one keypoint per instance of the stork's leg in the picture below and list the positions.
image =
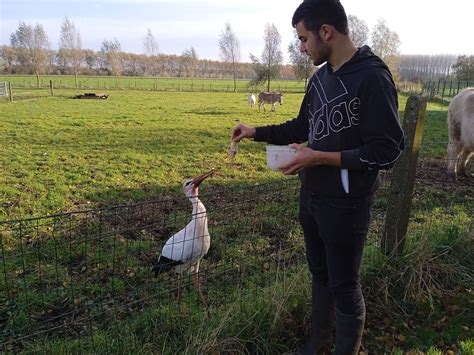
(197, 284)
(178, 290)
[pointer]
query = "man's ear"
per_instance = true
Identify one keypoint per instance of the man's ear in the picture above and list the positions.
(326, 32)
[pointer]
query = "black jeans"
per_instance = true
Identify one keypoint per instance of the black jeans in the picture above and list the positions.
(335, 231)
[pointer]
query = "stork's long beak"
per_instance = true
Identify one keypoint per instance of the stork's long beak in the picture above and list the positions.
(200, 178)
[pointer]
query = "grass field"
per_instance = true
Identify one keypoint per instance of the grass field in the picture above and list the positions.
(63, 154)
(59, 153)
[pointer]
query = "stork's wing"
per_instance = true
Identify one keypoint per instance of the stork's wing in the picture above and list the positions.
(187, 244)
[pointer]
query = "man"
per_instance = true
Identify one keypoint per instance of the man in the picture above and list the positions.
(349, 119)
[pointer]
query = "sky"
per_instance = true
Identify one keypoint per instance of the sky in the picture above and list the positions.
(424, 26)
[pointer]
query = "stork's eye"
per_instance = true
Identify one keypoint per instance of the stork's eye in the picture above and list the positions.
(188, 183)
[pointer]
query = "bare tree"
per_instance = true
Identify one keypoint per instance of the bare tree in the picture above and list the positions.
(150, 44)
(303, 66)
(70, 47)
(358, 30)
(110, 52)
(385, 44)
(189, 61)
(422, 67)
(32, 45)
(230, 49)
(268, 67)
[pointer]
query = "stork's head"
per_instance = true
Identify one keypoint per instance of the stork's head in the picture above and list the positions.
(190, 186)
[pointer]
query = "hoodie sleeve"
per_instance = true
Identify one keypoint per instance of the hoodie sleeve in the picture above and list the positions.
(292, 131)
(382, 136)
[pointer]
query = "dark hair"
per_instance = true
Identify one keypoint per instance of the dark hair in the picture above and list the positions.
(316, 13)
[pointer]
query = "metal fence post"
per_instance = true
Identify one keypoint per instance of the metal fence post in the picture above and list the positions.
(403, 176)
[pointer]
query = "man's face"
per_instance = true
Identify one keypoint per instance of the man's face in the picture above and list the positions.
(312, 44)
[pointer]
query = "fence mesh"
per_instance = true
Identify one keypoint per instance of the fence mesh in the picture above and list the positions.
(69, 275)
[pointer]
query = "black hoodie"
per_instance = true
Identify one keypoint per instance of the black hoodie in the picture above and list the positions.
(353, 111)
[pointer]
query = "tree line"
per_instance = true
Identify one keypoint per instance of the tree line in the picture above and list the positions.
(422, 68)
(30, 52)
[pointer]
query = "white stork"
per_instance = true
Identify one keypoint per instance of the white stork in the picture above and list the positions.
(184, 250)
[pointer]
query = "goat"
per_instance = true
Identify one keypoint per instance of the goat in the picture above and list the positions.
(251, 99)
(461, 131)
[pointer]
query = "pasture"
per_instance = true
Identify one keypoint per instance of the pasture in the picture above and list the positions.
(61, 154)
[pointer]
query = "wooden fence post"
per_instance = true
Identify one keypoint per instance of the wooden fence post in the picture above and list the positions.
(10, 91)
(51, 87)
(403, 178)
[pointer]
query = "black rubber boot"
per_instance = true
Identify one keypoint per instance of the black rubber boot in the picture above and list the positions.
(322, 320)
(348, 333)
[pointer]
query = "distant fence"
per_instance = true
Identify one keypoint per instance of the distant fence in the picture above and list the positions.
(151, 84)
(5, 90)
(445, 89)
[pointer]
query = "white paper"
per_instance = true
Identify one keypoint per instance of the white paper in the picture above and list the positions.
(345, 180)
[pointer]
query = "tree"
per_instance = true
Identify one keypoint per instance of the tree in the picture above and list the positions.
(268, 67)
(110, 53)
(464, 67)
(32, 45)
(385, 44)
(230, 49)
(70, 47)
(150, 44)
(422, 67)
(9, 58)
(189, 60)
(303, 66)
(358, 30)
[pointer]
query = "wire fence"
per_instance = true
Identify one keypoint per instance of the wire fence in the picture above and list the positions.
(22, 83)
(445, 89)
(69, 275)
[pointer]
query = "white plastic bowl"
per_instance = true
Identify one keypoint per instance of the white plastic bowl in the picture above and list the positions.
(279, 155)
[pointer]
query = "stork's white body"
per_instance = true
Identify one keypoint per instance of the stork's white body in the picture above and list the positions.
(184, 250)
(191, 243)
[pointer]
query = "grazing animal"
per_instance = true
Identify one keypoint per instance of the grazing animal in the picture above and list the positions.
(251, 99)
(461, 131)
(269, 98)
(184, 250)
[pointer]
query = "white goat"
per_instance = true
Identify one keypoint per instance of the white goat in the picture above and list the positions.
(251, 99)
(461, 131)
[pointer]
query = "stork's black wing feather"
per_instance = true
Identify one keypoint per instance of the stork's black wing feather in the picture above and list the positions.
(164, 264)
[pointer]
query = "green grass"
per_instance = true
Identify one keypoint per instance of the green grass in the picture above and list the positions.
(59, 153)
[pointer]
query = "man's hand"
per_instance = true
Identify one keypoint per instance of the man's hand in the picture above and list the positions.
(242, 131)
(306, 157)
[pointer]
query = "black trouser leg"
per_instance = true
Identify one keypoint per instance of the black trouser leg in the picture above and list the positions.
(335, 232)
(349, 329)
(322, 299)
(322, 318)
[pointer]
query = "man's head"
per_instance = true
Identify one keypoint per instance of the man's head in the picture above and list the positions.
(315, 13)
(317, 22)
